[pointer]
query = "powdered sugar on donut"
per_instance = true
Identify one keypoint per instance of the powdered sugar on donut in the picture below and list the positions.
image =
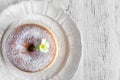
(16, 47)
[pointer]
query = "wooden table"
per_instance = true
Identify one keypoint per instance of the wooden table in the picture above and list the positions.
(99, 24)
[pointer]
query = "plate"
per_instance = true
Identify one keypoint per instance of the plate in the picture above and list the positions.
(64, 29)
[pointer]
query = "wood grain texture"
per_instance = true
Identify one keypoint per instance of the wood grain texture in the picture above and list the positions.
(99, 24)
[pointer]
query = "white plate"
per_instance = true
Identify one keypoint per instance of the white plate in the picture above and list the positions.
(64, 29)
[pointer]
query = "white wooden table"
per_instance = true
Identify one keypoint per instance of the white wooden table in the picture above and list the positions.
(99, 24)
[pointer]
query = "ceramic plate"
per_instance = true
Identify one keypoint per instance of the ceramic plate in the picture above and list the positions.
(64, 29)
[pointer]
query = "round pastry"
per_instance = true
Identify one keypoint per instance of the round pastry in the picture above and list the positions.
(31, 47)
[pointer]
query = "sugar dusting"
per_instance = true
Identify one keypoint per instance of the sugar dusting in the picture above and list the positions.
(18, 54)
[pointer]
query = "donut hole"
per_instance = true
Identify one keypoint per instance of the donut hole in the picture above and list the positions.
(30, 47)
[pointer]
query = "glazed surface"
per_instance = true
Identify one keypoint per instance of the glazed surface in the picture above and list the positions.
(17, 47)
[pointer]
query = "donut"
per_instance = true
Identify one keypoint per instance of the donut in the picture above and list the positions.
(21, 48)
